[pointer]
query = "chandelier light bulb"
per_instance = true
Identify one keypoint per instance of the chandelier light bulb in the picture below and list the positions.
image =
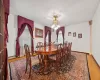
(53, 26)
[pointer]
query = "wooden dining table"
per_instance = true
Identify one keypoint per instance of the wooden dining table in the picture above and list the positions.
(46, 52)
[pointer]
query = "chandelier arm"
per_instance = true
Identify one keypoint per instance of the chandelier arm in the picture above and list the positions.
(55, 25)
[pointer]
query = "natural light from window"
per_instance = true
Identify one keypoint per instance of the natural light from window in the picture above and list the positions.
(60, 38)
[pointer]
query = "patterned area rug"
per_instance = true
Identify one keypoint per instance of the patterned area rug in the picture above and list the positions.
(75, 68)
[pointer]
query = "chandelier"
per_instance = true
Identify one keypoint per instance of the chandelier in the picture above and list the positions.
(55, 25)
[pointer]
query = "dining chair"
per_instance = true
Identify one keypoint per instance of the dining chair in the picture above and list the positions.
(40, 57)
(69, 48)
(28, 59)
(65, 51)
(56, 60)
(39, 45)
(61, 47)
(25, 48)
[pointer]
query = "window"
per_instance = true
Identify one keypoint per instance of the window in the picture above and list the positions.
(60, 37)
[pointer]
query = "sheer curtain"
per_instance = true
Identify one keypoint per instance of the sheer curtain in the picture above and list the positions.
(25, 38)
(60, 37)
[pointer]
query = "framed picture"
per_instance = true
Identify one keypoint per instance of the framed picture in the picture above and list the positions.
(69, 33)
(80, 35)
(38, 33)
(74, 34)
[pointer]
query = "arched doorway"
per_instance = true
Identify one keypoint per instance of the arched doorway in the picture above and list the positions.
(25, 38)
(22, 22)
(62, 31)
(20, 31)
(47, 38)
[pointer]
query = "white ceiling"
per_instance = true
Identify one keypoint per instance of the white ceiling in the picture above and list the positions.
(74, 11)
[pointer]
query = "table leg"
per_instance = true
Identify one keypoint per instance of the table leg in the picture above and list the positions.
(46, 64)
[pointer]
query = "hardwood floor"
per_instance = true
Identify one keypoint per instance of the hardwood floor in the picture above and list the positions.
(18, 58)
(15, 59)
(94, 69)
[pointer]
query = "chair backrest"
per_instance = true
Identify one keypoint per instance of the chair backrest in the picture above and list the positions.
(64, 49)
(27, 52)
(39, 45)
(69, 47)
(28, 55)
(65, 44)
(25, 47)
(59, 52)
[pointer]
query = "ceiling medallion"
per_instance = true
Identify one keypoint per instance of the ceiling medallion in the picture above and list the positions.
(53, 13)
(55, 16)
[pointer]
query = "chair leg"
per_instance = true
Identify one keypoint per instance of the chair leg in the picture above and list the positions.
(30, 73)
(26, 68)
(56, 68)
(30, 70)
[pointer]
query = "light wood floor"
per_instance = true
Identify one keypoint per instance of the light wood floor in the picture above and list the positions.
(94, 69)
(15, 59)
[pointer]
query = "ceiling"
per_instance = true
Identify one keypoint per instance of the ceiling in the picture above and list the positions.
(74, 11)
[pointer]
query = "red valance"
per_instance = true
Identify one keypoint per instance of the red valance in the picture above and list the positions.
(22, 20)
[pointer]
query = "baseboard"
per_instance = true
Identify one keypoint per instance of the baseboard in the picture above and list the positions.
(81, 52)
(13, 57)
(95, 61)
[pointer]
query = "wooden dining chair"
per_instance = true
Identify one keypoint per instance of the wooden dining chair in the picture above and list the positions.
(56, 60)
(61, 47)
(40, 57)
(65, 51)
(39, 45)
(69, 48)
(28, 59)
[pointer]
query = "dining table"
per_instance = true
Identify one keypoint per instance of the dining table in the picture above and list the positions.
(46, 51)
